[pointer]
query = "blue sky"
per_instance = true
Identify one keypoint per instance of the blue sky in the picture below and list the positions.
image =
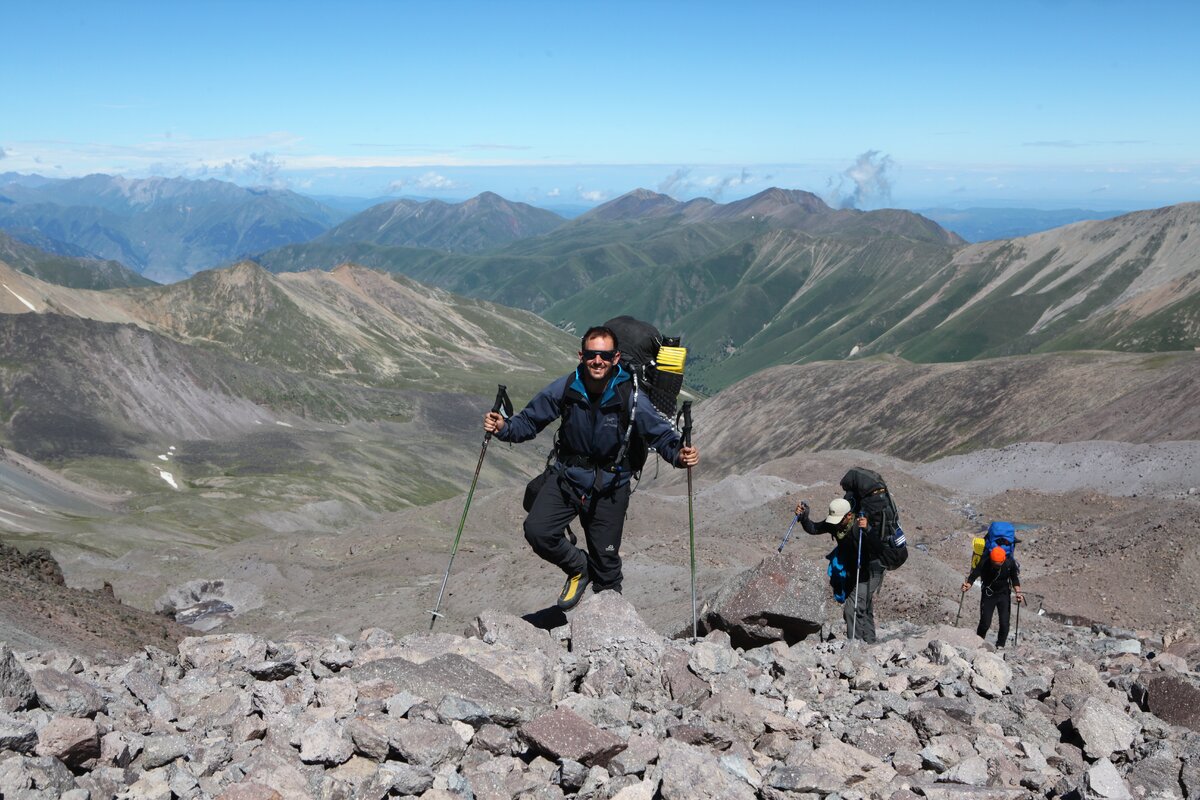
(1047, 104)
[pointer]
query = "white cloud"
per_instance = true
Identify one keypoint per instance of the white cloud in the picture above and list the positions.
(429, 182)
(591, 195)
(555, 192)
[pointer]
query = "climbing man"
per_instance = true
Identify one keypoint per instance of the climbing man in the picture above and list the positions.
(604, 417)
(854, 580)
(998, 573)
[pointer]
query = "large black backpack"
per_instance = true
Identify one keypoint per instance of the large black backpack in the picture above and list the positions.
(640, 344)
(869, 497)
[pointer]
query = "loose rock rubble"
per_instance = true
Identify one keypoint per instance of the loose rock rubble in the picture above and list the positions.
(601, 708)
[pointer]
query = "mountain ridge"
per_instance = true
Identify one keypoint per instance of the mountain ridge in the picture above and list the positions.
(481, 222)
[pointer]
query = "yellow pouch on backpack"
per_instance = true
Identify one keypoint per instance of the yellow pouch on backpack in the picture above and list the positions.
(977, 551)
(671, 359)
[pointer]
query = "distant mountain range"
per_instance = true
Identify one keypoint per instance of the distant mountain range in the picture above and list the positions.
(164, 228)
(481, 223)
(780, 278)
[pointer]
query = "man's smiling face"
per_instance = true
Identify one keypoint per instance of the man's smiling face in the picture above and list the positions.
(599, 356)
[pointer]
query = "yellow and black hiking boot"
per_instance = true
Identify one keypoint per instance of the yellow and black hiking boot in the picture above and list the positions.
(573, 590)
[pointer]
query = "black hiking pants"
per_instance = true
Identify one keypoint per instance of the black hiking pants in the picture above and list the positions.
(602, 518)
(1002, 603)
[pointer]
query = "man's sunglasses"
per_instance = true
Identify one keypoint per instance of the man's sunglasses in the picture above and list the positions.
(604, 355)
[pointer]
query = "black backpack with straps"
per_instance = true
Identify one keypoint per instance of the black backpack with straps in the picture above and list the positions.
(869, 497)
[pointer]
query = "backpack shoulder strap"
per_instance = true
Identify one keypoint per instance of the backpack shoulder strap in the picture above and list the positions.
(628, 412)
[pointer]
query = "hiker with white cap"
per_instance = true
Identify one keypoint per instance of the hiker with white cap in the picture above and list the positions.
(850, 576)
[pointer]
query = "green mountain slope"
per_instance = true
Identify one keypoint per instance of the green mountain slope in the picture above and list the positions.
(78, 273)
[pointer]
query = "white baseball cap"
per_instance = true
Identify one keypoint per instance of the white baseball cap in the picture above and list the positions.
(837, 510)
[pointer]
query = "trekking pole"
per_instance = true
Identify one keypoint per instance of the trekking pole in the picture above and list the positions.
(959, 613)
(502, 402)
(857, 581)
(1017, 632)
(788, 535)
(687, 442)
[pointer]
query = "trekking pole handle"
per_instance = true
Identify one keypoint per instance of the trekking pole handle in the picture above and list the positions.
(502, 402)
(687, 423)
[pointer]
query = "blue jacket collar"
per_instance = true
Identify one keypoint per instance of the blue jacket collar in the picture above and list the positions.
(618, 376)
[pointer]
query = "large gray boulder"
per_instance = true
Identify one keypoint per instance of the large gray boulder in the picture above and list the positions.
(16, 735)
(694, 773)
(781, 599)
(1103, 782)
(607, 622)
(66, 694)
(452, 674)
(1104, 729)
(16, 689)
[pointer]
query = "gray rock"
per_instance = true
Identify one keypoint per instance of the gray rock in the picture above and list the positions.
(644, 790)
(710, 659)
(325, 742)
(70, 740)
(853, 767)
(493, 739)
(990, 675)
(370, 737)
(950, 791)
(1103, 728)
(15, 685)
(1156, 776)
(35, 778)
(640, 751)
(119, 748)
(427, 744)
(408, 779)
(226, 649)
(495, 627)
(884, 737)
(802, 780)
(398, 704)
(1103, 782)
(693, 773)
(16, 735)
(273, 670)
(249, 790)
(564, 734)
(160, 750)
(454, 675)
(459, 709)
(570, 775)
(781, 599)
(971, 771)
(66, 694)
(608, 622)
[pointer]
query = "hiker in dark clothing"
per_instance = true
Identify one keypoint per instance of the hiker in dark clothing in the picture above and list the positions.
(592, 468)
(840, 523)
(997, 575)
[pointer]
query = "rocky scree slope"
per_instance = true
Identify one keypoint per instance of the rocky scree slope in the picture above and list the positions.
(604, 707)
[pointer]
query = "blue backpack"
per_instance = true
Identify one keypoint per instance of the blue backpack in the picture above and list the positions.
(999, 534)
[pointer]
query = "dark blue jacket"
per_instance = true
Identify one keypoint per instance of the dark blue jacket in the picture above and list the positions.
(596, 435)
